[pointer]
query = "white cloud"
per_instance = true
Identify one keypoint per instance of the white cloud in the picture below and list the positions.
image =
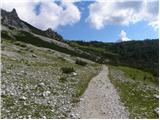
(123, 12)
(123, 37)
(51, 14)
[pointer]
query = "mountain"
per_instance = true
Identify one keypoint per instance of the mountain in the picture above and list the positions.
(12, 19)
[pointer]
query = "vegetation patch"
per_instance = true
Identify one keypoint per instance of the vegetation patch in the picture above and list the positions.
(138, 54)
(63, 79)
(67, 70)
(21, 44)
(139, 75)
(136, 92)
(80, 62)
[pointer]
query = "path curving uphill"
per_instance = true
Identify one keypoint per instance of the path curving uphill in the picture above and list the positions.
(100, 100)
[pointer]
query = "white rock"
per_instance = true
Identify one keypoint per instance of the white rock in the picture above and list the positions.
(23, 98)
(34, 56)
(156, 96)
(81, 99)
(74, 73)
(46, 93)
(29, 116)
(157, 110)
(52, 110)
(41, 84)
(48, 102)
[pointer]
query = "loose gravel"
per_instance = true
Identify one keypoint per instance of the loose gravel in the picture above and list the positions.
(100, 100)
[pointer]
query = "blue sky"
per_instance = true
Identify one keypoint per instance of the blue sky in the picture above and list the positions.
(110, 33)
(107, 21)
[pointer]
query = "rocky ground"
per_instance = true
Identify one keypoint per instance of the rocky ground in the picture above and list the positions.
(100, 100)
(33, 84)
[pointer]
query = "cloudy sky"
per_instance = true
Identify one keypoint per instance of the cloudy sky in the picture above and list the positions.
(102, 20)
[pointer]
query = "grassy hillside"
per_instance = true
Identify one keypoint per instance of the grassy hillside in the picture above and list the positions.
(19, 35)
(138, 54)
(138, 91)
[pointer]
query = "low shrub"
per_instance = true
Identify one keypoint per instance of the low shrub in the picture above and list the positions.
(80, 62)
(63, 79)
(67, 70)
(21, 44)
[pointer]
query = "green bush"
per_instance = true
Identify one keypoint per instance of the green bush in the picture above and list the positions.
(63, 79)
(80, 62)
(67, 70)
(21, 44)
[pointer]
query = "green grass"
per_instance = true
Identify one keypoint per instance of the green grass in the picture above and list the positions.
(133, 92)
(34, 109)
(138, 75)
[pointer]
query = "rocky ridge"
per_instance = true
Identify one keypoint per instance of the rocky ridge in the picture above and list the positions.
(12, 19)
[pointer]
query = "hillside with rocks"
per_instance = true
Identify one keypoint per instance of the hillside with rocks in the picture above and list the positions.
(40, 82)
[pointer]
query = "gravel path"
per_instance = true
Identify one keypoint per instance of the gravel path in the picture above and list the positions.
(100, 100)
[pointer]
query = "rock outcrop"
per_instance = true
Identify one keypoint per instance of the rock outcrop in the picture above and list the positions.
(12, 19)
(51, 34)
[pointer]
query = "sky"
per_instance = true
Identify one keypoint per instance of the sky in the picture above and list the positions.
(100, 20)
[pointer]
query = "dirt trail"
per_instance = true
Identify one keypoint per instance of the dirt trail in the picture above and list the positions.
(100, 100)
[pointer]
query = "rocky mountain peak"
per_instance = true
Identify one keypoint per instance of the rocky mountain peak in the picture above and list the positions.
(49, 30)
(52, 34)
(14, 13)
(12, 19)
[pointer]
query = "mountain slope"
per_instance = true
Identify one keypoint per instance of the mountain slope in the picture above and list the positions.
(42, 41)
(39, 82)
(139, 54)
